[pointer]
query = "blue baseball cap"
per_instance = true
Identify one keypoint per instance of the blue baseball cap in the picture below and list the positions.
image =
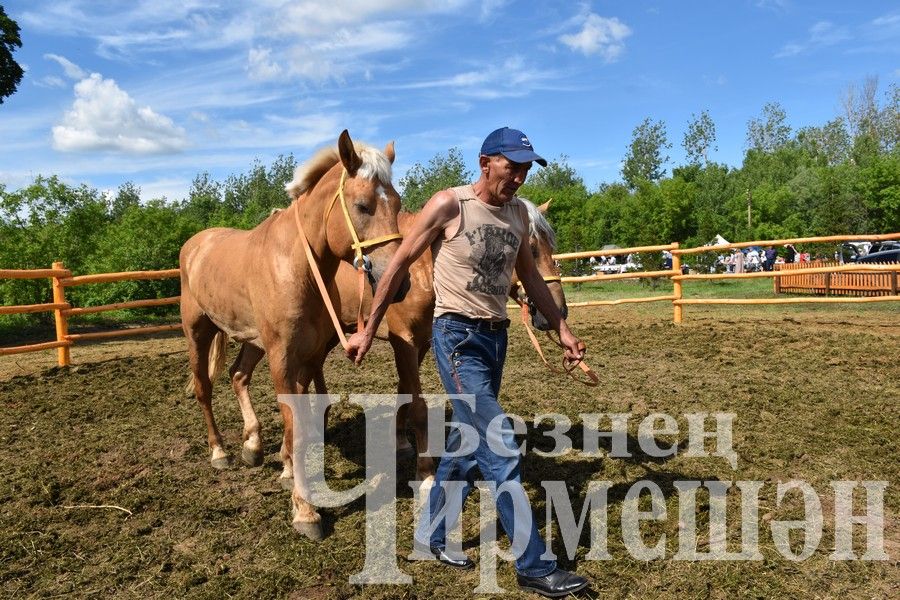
(511, 143)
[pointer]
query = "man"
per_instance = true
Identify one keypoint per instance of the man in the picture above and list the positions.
(770, 254)
(476, 233)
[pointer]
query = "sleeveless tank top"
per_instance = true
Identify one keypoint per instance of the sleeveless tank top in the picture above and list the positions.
(473, 268)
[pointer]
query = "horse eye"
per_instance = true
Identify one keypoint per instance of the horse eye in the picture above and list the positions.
(363, 208)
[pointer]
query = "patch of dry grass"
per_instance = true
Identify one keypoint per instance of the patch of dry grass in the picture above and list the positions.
(815, 394)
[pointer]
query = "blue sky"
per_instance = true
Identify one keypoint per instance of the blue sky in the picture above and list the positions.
(157, 91)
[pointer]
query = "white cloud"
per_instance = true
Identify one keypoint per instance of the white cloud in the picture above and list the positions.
(72, 70)
(489, 8)
(260, 66)
(822, 34)
(599, 35)
(104, 117)
(512, 78)
(51, 81)
(776, 5)
(891, 20)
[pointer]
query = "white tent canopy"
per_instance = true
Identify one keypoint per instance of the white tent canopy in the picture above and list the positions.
(718, 241)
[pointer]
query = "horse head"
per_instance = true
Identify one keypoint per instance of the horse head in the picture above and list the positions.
(542, 240)
(359, 224)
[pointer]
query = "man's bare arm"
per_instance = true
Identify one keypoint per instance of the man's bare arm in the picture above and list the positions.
(440, 210)
(537, 291)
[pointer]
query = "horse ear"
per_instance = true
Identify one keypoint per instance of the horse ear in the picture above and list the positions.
(389, 151)
(349, 157)
(543, 207)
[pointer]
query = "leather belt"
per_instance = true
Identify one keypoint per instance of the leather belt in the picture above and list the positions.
(480, 324)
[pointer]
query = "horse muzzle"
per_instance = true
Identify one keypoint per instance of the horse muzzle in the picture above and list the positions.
(374, 277)
(539, 321)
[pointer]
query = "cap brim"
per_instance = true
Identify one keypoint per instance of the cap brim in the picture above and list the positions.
(524, 156)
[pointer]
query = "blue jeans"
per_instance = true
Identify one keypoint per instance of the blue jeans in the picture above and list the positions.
(470, 361)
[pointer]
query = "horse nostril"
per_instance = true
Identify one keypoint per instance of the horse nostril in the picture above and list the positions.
(565, 312)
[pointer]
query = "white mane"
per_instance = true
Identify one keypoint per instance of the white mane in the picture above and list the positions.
(374, 165)
(538, 225)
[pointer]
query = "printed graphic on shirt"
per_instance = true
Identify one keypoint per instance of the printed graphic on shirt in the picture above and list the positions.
(493, 256)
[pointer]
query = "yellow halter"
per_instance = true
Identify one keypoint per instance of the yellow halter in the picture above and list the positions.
(359, 261)
(357, 245)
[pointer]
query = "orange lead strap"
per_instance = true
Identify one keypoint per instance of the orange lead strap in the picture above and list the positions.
(326, 298)
(568, 366)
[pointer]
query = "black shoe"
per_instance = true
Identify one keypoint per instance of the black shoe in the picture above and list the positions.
(464, 563)
(555, 585)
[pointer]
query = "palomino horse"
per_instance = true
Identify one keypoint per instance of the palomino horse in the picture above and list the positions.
(257, 287)
(409, 324)
(409, 331)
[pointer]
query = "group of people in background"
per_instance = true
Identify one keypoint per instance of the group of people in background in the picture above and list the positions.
(751, 260)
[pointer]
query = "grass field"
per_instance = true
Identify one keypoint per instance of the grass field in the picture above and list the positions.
(814, 389)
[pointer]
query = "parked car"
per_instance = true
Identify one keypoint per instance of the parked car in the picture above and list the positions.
(882, 256)
(883, 246)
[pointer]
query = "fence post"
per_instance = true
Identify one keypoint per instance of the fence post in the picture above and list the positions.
(63, 357)
(677, 309)
(894, 283)
(827, 284)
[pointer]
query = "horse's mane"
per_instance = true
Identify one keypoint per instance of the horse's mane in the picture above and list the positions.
(538, 225)
(374, 164)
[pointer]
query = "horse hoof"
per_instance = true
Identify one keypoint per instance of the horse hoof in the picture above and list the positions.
(220, 463)
(311, 530)
(287, 483)
(252, 458)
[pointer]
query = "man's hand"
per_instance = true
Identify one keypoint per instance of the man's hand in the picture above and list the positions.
(357, 346)
(574, 348)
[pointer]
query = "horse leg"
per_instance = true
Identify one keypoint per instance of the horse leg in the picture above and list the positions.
(200, 333)
(305, 518)
(419, 414)
(319, 375)
(241, 374)
(408, 357)
(405, 362)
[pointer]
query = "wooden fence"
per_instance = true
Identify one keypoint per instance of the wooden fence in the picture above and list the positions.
(678, 279)
(847, 283)
(834, 283)
(61, 278)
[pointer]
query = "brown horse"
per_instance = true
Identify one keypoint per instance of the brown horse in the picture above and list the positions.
(257, 287)
(409, 325)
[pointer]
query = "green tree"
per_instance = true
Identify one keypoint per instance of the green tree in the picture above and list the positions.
(422, 182)
(10, 71)
(146, 237)
(128, 195)
(699, 138)
(878, 185)
(769, 131)
(645, 159)
(861, 108)
(249, 198)
(204, 199)
(568, 214)
(828, 144)
(889, 121)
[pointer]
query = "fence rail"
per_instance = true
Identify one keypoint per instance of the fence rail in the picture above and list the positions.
(848, 283)
(61, 278)
(848, 275)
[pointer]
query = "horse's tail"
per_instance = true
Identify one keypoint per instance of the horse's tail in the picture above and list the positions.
(217, 352)
(217, 355)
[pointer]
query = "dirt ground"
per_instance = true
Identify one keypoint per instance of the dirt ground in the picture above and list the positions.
(107, 489)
